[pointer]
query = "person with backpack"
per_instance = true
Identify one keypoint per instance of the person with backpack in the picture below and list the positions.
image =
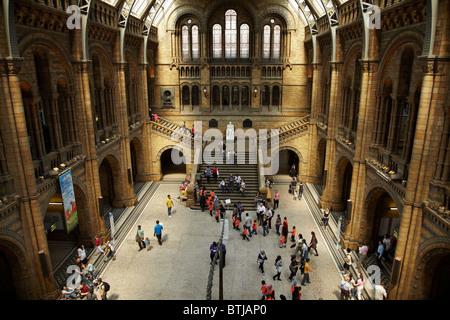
(103, 287)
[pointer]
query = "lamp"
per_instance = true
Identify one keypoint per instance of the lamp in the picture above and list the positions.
(255, 91)
(204, 91)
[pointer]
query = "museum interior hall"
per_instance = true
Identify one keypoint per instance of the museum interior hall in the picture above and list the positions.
(109, 106)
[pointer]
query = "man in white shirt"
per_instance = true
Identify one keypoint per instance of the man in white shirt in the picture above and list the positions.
(269, 215)
(380, 292)
(260, 209)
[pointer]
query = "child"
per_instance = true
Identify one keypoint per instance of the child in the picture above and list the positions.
(282, 242)
(293, 234)
(217, 215)
(234, 221)
(263, 289)
(255, 226)
(237, 224)
(244, 235)
(147, 243)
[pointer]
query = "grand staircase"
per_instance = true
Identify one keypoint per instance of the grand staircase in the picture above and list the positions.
(248, 171)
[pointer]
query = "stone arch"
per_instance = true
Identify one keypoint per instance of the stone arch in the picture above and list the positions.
(412, 38)
(18, 278)
(428, 278)
(342, 180)
(372, 196)
(114, 187)
(299, 157)
(137, 159)
(168, 164)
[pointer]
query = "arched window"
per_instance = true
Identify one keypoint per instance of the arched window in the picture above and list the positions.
(266, 42)
(230, 34)
(244, 41)
(276, 42)
(185, 42)
(195, 43)
(217, 41)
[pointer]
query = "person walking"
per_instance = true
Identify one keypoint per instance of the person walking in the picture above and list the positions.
(359, 284)
(91, 269)
(363, 251)
(169, 204)
(278, 268)
(223, 185)
(306, 272)
(276, 199)
(140, 238)
(255, 228)
(248, 224)
(294, 230)
(348, 261)
(214, 173)
(208, 174)
(98, 245)
(244, 234)
(380, 251)
(313, 243)
(212, 251)
(380, 291)
(293, 267)
(325, 217)
(263, 289)
(261, 258)
(158, 232)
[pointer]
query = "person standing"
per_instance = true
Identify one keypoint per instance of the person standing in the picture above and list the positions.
(263, 289)
(158, 232)
(276, 199)
(278, 268)
(212, 251)
(269, 214)
(348, 261)
(261, 258)
(278, 224)
(140, 238)
(345, 288)
(300, 190)
(230, 183)
(306, 272)
(169, 204)
(215, 175)
(380, 291)
(242, 187)
(203, 199)
(223, 185)
(359, 285)
(240, 209)
(285, 228)
(265, 225)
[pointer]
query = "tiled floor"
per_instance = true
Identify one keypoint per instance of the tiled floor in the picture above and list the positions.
(180, 268)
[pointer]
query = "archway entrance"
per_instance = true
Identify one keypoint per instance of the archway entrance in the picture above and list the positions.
(168, 166)
(382, 221)
(437, 269)
(321, 152)
(106, 184)
(288, 163)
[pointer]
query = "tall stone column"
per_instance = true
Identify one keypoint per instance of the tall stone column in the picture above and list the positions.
(84, 118)
(328, 198)
(128, 196)
(18, 151)
(365, 127)
(422, 165)
(314, 139)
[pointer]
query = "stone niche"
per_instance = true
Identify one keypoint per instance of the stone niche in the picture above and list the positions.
(167, 98)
